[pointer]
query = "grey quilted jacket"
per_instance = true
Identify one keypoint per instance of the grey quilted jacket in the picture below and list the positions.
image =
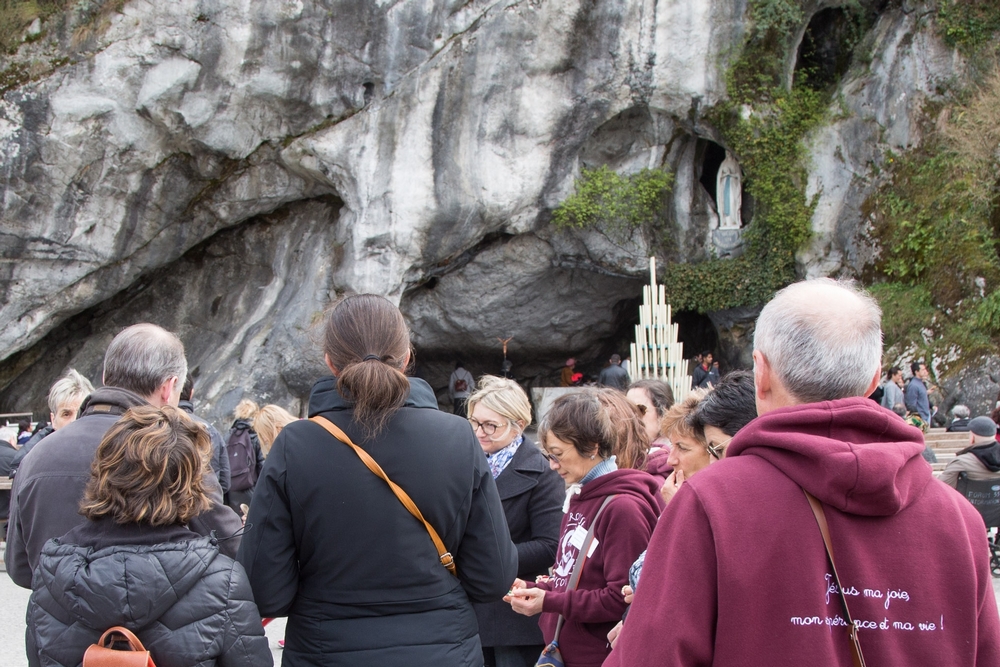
(189, 605)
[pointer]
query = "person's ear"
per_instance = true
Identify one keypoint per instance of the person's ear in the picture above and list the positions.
(164, 391)
(329, 364)
(761, 375)
(874, 383)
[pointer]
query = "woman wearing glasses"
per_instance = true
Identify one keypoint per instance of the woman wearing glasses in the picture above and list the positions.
(595, 440)
(532, 496)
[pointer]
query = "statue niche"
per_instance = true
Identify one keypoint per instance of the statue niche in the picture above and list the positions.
(728, 237)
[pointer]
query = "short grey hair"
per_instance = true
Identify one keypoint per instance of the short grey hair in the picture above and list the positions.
(69, 387)
(961, 411)
(822, 338)
(142, 357)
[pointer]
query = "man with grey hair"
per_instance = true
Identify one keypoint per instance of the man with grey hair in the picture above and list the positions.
(143, 365)
(65, 397)
(738, 561)
(960, 423)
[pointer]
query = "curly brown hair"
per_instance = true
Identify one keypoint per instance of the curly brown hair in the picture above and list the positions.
(149, 469)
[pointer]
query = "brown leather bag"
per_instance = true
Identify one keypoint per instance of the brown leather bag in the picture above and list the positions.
(102, 655)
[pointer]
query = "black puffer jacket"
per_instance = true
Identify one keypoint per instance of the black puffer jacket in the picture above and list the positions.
(329, 545)
(188, 604)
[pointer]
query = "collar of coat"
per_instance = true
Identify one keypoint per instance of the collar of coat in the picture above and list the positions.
(325, 397)
(523, 471)
(110, 400)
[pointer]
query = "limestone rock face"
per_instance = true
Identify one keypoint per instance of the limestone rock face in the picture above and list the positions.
(169, 133)
(226, 168)
(879, 108)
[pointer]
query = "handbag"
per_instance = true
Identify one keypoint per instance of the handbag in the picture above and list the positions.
(852, 630)
(102, 655)
(443, 554)
(551, 656)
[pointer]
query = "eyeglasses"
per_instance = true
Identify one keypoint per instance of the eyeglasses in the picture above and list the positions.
(718, 449)
(552, 458)
(489, 428)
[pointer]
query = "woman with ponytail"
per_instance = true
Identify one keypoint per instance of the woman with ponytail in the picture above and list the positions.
(331, 546)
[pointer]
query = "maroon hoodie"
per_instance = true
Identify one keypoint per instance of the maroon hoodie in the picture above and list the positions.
(622, 533)
(656, 464)
(736, 572)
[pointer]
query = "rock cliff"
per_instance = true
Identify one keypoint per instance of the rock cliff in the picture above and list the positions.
(226, 168)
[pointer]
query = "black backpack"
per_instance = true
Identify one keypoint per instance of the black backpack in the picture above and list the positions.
(242, 460)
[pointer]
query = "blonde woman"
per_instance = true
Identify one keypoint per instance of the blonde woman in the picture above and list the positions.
(532, 496)
(246, 459)
(268, 424)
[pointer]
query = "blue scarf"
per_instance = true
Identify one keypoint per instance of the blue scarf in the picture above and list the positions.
(499, 459)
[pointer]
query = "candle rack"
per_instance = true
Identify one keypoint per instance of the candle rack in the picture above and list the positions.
(656, 352)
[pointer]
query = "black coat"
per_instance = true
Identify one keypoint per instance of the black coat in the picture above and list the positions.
(331, 547)
(189, 605)
(532, 496)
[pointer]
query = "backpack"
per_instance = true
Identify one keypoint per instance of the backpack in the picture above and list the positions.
(461, 385)
(242, 460)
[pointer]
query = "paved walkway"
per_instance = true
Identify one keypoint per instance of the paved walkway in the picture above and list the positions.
(14, 600)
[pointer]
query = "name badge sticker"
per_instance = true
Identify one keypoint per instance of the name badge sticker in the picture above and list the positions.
(578, 536)
(593, 548)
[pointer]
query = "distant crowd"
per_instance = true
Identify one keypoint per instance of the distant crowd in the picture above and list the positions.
(777, 516)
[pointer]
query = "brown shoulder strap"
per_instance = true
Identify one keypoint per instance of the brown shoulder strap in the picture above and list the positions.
(852, 630)
(445, 556)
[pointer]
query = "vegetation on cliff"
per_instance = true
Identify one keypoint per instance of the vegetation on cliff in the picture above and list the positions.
(935, 219)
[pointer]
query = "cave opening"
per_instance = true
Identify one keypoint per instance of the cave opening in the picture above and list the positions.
(696, 332)
(712, 157)
(824, 54)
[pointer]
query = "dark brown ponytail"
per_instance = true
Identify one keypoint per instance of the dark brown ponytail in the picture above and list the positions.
(367, 341)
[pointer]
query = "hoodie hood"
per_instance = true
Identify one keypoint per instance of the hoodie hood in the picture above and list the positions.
(625, 481)
(656, 462)
(850, 453)
(130, 585)
(326, 398)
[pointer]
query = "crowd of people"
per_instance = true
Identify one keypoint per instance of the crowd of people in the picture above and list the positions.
(635, 530)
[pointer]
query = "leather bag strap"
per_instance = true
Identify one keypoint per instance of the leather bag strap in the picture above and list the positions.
(443, 554)
(102, 653)
(574, 577)
(852, 630)
(109, 636)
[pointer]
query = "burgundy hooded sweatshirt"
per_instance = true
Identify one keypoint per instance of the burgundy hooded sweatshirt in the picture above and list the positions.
(621, 534)
(736, 572)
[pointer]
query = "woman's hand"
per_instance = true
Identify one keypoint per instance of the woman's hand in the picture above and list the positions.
(526, 601)
(518, 585)
(628, 593)
(671, 485)
(613, 635)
